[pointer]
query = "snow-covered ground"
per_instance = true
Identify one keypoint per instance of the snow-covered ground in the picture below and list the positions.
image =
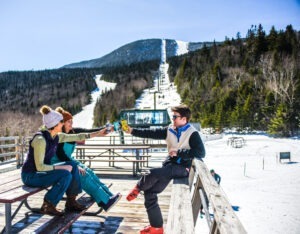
(265, 192)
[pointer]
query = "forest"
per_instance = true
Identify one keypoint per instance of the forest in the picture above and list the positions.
(250, 83)
(247, 84)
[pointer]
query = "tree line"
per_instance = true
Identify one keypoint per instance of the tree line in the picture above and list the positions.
(22, 94)
(250, 83)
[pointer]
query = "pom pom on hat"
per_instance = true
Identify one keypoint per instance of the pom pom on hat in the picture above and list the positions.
(67, 115)
(50, 117)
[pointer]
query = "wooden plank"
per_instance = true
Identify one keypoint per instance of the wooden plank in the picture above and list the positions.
(112, 147)
(18, 194)
(112, 160)
(9, 154)
(5, 182)
(180, 218)
(115, 156)
(8, 146)
(9, 138)
(10, 185)
(60, 224)
(225, 218)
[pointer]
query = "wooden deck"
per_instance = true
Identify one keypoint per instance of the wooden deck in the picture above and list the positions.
(126, 217)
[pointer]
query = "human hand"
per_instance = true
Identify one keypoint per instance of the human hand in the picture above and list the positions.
(129, 130)
(173, 152)
(81, 171)
(102, 132)
(111, 129)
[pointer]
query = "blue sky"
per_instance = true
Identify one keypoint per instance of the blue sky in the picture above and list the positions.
(41, 34)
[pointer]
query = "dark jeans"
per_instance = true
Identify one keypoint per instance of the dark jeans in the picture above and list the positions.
(155, 182)
(61, 180)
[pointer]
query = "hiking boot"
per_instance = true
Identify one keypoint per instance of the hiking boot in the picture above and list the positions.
(152, 230)
(111, 202)
(133, 193)
(49, 209)
(73, 205)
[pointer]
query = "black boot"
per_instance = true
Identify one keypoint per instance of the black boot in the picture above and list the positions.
(49, 209)
(111, 202)
(73, 205)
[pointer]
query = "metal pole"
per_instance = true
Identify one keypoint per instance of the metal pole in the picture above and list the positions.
(7, 217)
(154, 100)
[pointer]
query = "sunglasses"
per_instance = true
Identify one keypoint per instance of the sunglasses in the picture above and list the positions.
(176, 116)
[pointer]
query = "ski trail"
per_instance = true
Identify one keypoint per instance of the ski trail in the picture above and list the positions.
(85, 118)
(164, 92)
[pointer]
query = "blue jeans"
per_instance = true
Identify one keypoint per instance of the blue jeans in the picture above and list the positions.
(62, 181)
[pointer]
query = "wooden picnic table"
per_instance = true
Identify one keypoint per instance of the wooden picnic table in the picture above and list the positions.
(99, 151)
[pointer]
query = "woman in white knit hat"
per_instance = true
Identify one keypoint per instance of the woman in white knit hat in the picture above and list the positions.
(37, 170)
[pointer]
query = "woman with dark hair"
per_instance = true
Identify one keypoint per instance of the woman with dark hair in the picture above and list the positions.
(89, 180)
(38, 171)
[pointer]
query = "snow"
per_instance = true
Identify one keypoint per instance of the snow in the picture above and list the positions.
(264, 191)
(266, 194)
(163, 51)
(182, 47)
(84, 119)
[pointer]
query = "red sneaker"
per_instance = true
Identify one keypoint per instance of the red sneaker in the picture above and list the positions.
(152, 230)
(133, 193)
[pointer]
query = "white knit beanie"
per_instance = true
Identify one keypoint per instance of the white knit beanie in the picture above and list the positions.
(50, 117)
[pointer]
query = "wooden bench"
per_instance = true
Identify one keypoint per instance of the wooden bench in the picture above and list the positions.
(13, 190)
(284, 155)
(188, 196)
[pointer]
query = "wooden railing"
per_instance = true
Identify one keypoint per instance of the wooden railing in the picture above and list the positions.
(187, 196)
(10, 150)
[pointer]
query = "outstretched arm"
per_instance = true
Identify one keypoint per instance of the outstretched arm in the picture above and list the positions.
(157, 133)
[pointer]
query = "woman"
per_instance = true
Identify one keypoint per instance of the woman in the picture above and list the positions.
(89, 181)
(37, 170)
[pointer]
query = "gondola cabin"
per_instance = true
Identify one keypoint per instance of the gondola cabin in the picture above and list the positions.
(146, 118)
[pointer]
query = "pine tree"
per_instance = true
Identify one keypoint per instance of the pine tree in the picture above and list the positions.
(277, 124)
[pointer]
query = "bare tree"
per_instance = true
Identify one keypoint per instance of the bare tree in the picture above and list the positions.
(282, 80)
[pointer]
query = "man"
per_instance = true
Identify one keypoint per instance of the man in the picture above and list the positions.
(183, 144)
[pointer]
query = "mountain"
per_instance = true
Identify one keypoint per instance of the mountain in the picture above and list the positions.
(140, 51)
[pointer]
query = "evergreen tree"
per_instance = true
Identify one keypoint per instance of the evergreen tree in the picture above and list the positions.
(277, 124)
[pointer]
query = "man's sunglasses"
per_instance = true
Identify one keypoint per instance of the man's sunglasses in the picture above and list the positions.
(176, 116)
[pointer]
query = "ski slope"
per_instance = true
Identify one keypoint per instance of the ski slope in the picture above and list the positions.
(85, 119)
